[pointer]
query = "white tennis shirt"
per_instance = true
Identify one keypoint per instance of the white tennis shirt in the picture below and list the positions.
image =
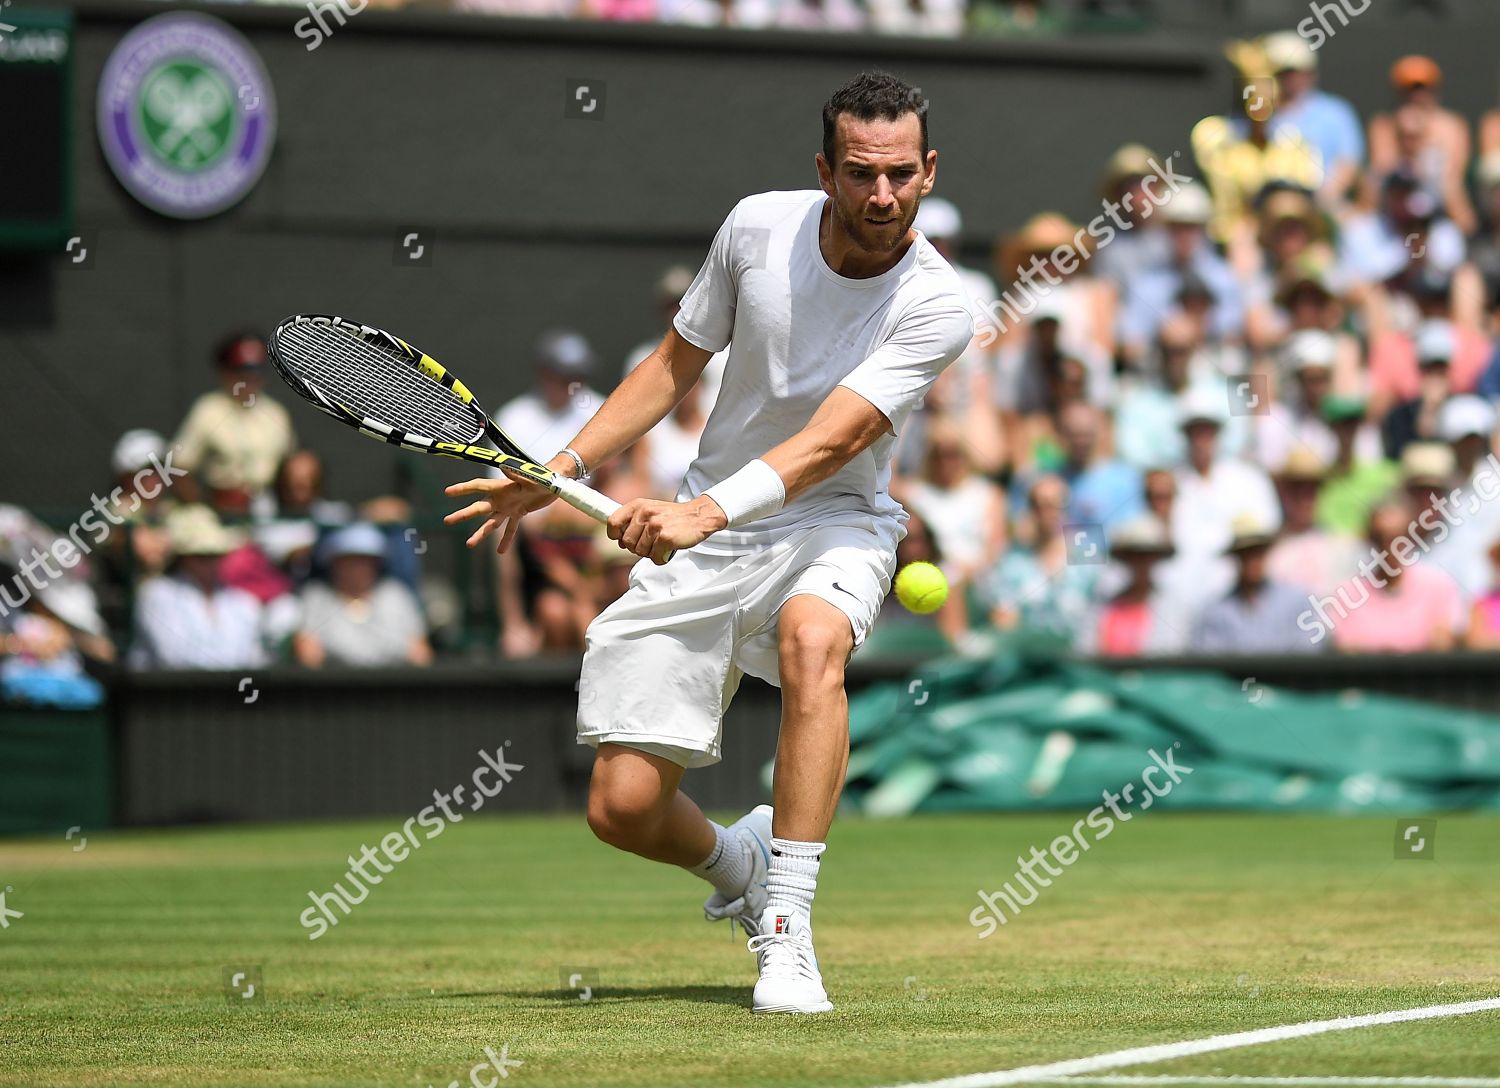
(796, 330)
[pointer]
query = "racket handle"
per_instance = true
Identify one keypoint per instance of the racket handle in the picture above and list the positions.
(597, 506)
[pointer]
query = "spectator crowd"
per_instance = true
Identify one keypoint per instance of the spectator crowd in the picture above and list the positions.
(1257, 417)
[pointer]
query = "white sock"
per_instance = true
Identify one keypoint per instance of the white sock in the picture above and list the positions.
(728, 864)
(793, 876)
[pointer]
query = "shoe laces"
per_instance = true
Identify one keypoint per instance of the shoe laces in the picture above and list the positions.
(785, 955)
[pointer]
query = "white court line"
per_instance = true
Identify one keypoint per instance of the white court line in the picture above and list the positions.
(1351, 1082)
(1150, 1055)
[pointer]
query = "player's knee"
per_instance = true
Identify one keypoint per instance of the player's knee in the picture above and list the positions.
(814, 647)
(620, 819)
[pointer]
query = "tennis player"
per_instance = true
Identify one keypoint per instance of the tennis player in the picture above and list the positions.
(838, 317)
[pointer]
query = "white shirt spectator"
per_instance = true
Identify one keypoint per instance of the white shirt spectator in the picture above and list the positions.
(178, 627)
(542, 432)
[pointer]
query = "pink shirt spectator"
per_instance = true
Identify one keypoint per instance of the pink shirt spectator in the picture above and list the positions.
(624, 11)
(1393, 363)
(1400, 619)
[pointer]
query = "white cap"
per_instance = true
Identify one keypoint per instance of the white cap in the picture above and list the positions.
(361, 538)
(1287, 49)
(135, 449)
(1203, 403)
(1465, 415)
(939, 218)
(1309, 348)
(1189, 204)
(1435, 340)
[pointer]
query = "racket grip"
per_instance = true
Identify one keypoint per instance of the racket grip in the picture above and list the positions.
(598, 506)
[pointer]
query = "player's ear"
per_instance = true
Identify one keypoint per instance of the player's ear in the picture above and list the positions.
(931, 170)
(825, 173)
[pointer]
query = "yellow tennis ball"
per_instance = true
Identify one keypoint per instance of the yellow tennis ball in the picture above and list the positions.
(921, 587)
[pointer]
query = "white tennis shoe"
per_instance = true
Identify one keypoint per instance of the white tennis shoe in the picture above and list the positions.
(789, 976)
(753, 829)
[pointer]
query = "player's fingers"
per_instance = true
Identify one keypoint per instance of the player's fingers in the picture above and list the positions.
(473, 510)
(483, 531)
(617, 522)
(470, 487)
(509, 535)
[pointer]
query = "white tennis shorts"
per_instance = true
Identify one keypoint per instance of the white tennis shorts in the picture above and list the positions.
(663, 661)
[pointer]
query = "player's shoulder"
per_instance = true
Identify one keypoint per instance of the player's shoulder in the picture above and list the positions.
(764, 209)
(934, 280)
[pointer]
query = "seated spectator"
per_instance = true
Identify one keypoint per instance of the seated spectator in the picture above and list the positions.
(1259, 615)
(1305, 554)
(188, 618)
(1449, 526)
(1416, 420)
(1484, 248)
(550, 583)
(1396, 355)
(1406, 227)
(548, 417)
(924, 19)
(1424, 138)
(1484, 615)
(965, 512)
(1212, 490)
(1142, 617)
(1131, 253)
(140, 547)
(1036, 586)
(1191, 260)
(360, 618)
(1242, 152)
(1355, 482)
(1146, 432)
(1029, 264)
(41, 657)
(1103, 491)
(47, 583)
(1295, 421)
(233, 440)
(1402, 605)
(1019, 18)
(669, 449)
(844, 15)
(1292, 239)
(1327, 122)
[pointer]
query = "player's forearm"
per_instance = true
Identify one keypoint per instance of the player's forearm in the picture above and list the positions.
(844, 427)
(641, 401)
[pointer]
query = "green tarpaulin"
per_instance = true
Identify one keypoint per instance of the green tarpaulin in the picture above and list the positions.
(1026, 729)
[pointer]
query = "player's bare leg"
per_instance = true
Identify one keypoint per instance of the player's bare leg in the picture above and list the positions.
(635, 805)
(812, 755)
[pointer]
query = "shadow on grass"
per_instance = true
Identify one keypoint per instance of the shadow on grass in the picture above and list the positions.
(614, 995)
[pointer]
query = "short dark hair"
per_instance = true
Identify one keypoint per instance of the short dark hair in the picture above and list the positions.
(872, 95)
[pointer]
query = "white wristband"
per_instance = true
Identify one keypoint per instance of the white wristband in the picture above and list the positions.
(754, 492)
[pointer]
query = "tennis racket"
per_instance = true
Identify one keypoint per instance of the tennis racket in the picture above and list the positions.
(388, 390)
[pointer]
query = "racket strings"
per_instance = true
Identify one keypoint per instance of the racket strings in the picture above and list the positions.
(377, 383)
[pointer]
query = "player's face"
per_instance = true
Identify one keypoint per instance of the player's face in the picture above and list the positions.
(879, 179)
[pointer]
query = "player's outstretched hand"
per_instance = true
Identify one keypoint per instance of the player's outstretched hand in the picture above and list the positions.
(501, 502)
(654, 528)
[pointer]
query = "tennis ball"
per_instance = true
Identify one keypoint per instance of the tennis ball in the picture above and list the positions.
(921, 587)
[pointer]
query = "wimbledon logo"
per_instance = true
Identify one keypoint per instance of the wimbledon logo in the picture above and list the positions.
(186, 115)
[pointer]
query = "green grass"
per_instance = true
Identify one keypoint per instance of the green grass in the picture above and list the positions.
(1175, 927)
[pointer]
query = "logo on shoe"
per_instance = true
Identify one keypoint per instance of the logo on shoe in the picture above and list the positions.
(782, 921)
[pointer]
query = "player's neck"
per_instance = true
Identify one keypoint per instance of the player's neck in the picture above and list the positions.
(846, 257)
